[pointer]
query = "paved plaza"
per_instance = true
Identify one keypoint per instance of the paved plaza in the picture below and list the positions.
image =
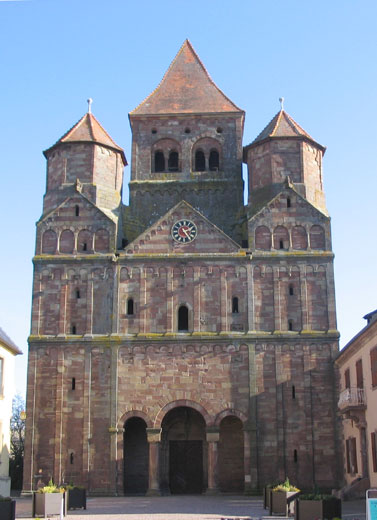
(187, 507)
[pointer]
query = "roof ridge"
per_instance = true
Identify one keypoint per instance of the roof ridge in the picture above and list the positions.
(208, 74)
(278, 118)
(91, 131)
(163, 77)
(186, 45)
(89, 116)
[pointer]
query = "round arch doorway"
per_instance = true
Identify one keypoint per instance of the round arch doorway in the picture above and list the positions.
(136, 457)
(183, 452)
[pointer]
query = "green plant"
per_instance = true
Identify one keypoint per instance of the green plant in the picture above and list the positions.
(316, 496)
(51, 488)
(285, 486)
(72, 486)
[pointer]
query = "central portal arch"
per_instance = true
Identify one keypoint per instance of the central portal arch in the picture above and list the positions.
(183, 452)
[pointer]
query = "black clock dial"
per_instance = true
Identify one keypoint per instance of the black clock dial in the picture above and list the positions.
(184, 231)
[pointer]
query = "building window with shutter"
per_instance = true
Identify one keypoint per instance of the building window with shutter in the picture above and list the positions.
(351, 455)
(347, 379)
(373, 438)
(359, 374)
(373, 366)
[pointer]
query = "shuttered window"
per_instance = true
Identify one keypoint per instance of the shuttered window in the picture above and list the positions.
(373, 436)
(351, 455)
(359, 374)
(373, 365)
(347, 381)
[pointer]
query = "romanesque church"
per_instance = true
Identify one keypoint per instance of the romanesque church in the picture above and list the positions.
(183, 343)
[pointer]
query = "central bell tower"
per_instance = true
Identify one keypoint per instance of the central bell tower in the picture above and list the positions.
(187, 145)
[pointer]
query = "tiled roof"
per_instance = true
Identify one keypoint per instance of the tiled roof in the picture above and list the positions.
(5, 339)
(282, 125)
(88, 129)
(186, 88)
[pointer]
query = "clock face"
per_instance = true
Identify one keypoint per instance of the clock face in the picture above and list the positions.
(184, 231)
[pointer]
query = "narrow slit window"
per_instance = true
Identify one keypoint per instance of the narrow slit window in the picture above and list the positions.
(159, 161)
(130, 306)
(173, 161)
(71, 458)
(73, 329)
(200, 161)
(77, 211)
(291, 290)
(295, 458)
(290, 324)
(214, 161)
(281, 244)
(73, 383)
(183, 319)
(85, 246)
(293, 392)
(235, 309)
(288, 202)
(78, 295)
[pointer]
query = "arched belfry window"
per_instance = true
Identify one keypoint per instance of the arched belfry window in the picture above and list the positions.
(200, 161)
(235, 309)
(183, 319)
(159, 161)
(214, 161)
(173, 161)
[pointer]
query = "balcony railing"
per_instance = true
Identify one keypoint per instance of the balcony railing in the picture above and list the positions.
(352, 398)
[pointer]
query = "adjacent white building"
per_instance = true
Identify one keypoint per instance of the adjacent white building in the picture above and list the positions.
(8, 352)
(357, 364)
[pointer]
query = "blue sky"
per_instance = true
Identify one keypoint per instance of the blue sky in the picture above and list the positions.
(321, 56)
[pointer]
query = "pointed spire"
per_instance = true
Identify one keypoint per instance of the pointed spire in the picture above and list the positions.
(283, 125)
(88, 129)
(186, 88)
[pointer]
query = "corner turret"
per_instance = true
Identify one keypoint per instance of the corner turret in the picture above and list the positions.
(284, 150)
(88, 156)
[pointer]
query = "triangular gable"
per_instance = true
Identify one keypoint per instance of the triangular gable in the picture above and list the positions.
(267, 208)
(186, 88)
(95, 209)
(158, 238)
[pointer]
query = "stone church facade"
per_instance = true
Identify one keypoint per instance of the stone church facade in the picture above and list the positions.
(183, 343)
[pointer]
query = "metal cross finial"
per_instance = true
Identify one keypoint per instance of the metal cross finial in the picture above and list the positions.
(281, 99)
(90, 101)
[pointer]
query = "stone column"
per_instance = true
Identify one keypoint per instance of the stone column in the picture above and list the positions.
(250, 473)
(154, 440)
(223, 301)
(213, 437)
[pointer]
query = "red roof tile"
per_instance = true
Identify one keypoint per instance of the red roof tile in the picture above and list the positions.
(282, 125)
(186, 88)
(88, 129)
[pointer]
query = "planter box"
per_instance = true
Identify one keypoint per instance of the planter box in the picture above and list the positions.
(45, 504)
(282, 502)
(8, 509)
(318, 509)
(267, 490)
(76, 498)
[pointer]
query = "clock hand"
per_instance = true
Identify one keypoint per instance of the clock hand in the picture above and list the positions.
(185, 232)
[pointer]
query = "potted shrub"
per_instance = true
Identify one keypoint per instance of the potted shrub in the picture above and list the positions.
(76, 497)
(282, 498)
(317, 505)
(7, 508)
(49, 500)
